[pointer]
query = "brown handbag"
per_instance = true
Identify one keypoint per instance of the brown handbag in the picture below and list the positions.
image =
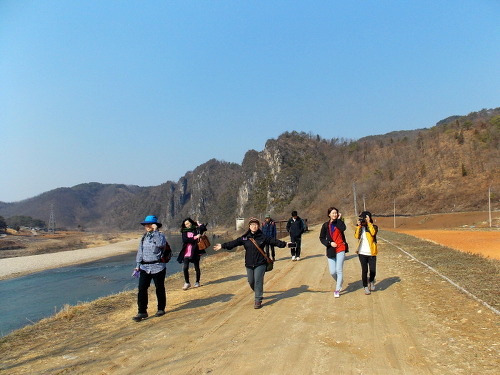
(203, 242)
(270, 263)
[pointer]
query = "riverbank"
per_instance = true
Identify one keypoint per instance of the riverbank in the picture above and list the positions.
(410, 324)
(20, 266)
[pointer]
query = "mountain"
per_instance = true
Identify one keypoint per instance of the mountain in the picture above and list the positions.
(448, 167)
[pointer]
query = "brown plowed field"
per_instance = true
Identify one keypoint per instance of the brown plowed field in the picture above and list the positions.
(469, 232)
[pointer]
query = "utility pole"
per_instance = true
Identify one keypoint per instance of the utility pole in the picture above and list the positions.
(364, 203)
(394, 213)
(52, 220)
(489, 204)
(355, 203)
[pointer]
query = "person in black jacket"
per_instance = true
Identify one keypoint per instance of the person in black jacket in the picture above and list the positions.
(295, 226)
(255, 262)
(191, 232)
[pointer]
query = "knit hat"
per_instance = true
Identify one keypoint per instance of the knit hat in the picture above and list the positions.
(151, 219)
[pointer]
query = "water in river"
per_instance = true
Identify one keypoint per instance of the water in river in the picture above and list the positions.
(27, 299)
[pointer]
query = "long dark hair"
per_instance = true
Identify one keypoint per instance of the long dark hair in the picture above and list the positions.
(193, 225)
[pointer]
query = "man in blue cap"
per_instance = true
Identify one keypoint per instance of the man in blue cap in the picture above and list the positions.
(151, 266)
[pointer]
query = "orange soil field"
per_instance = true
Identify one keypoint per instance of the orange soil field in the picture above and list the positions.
(469, 232)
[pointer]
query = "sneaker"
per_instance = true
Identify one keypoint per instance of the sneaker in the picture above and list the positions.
(293, 257)
(297, 259)
(160, 313)
(372, 286)
(197, 284)
(257, 305)
(367, 290)
(140, 316)
(186, 286)
(336, 294)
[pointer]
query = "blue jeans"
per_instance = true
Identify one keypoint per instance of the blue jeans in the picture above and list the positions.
(256, 280)
(336, 266)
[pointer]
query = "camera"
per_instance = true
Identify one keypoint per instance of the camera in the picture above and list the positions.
(362, 220)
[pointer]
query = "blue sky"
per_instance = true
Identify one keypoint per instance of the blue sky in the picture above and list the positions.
(140, 92)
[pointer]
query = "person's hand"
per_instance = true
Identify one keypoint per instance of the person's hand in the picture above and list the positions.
(340, 215)
(333, 244)
(197, 236)
(367, 218)
(359, 222)
(155, 227)
(217, 247)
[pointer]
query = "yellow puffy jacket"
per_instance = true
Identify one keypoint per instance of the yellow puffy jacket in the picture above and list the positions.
(371, 235)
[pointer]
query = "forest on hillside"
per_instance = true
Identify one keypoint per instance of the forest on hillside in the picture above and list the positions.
(450, 167)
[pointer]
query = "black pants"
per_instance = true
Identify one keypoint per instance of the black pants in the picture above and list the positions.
(368, 261)
(144, 283)
(296, 250)
(270, 251)
(185, 268)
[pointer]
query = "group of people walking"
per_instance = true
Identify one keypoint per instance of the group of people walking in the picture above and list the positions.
(151, 263)
(333, 238)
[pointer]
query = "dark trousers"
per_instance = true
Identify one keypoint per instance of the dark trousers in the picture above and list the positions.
(296, 250)
(185, 269)
(368, 261)
(255, 277)
(144, 283)
(270, 251)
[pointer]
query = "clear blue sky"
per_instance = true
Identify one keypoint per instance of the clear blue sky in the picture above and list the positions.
(140, 92)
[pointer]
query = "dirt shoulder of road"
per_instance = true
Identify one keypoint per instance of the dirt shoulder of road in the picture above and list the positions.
(414, 323)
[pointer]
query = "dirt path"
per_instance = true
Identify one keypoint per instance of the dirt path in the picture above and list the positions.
(413, 324)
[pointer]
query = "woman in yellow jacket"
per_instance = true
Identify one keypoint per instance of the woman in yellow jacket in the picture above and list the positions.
(366, 233)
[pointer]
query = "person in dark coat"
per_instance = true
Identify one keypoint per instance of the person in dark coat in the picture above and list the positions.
(295, 226)
(191, 232)
(269, 230)
(255, 262)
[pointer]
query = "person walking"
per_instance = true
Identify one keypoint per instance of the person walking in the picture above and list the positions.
(150, 265)
(333, 237)
(255, 262)
(366, 233)
(191, 231)
(269, 230)
(295, 226)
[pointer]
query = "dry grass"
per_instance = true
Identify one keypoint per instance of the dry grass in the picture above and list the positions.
(475, 273)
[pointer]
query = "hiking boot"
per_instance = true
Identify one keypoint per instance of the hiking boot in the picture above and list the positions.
(372, 286)
(160, 313)
(197, 284)
(140, 317)
(336, 294)
(257, 305)
(367, 291)
(186, 286)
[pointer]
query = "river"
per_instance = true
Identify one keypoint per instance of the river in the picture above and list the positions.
(27, 299)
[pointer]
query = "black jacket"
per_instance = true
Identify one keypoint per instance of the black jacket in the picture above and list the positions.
(253, 257)
(295, 228)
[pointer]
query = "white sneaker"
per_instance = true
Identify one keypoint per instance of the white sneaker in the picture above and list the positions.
(186, 286)
(293, 257)
(367, 291)
(336, 294)
(298, 258)
(372, 286)
(197, 285)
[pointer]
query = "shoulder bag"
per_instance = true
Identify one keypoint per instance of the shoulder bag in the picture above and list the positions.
(270, 263)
